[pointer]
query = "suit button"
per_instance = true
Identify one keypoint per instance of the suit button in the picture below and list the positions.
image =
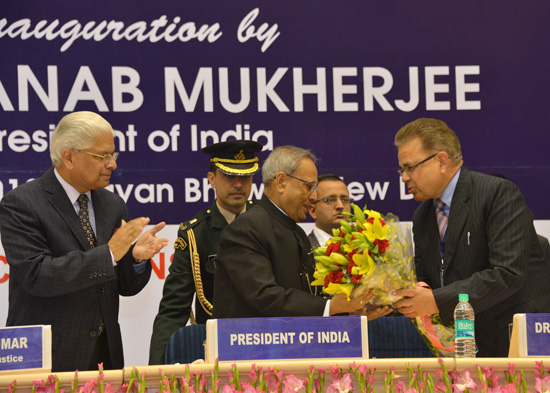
(92, 333)
(102, 289)
(91, 275)
(95, 274)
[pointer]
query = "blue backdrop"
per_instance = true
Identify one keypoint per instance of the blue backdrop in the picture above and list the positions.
(339, 78)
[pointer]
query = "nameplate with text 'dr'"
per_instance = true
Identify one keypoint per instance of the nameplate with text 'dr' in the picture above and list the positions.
(530, 336)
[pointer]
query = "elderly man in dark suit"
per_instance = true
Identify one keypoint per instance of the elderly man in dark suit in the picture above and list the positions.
(473, 234)
(69, 245)
(264, 265)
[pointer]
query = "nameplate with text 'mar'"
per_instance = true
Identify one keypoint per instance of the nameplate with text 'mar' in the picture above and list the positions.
(25, 349)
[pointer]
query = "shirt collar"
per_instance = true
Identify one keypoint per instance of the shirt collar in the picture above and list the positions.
(321, 236)
(277, 206)
(449, 191)
(229, 216)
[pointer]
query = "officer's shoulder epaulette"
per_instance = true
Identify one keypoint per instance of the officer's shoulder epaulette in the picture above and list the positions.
(201, 216)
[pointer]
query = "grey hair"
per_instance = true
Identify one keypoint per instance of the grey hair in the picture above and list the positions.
(77, 131)
(435, 136)
(284, 159)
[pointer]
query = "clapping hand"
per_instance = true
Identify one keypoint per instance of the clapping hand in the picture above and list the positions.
(148, 245)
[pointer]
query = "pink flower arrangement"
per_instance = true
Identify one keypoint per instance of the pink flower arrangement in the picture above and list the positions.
(341, 381)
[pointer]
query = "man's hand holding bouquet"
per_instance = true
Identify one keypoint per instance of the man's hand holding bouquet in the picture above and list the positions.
(370, 252)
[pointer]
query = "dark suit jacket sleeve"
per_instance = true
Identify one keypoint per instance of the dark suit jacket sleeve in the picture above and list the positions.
(130, 283)
(40, 249)
(175, 306)
(29, 238)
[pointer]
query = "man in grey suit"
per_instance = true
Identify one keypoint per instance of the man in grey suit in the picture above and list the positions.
(481, 241)
(69, 245)
(330, 201)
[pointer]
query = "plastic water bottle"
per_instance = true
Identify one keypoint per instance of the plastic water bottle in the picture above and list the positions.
(465, 341)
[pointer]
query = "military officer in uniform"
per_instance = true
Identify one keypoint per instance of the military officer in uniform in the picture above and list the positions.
(232, 166)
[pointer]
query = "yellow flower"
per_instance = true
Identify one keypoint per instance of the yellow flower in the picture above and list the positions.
(320, 272)
(321, 250)
(373, 214)
(358, 214)
(365, 263)
(334, 289)
(375, 230)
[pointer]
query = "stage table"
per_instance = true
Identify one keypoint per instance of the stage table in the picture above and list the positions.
(299, 368)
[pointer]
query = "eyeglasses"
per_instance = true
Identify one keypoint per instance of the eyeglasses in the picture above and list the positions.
(105, 157)
(331, 200)
(311, 185)
(410, 169)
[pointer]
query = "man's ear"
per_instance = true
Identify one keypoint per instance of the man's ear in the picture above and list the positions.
(280, 181)
(67, 158)
(443, 160)
(211, 176)
(312, 212)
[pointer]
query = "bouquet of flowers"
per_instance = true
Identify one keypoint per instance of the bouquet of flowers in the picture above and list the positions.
(373, 251)
(367, 251)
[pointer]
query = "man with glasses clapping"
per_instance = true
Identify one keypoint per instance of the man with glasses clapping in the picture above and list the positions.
(72, 248)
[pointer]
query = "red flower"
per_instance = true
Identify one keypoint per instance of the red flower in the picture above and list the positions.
(382, 245)
(371, 220)
(351, 254)
(336, 276)
(326, 281)
(350, 266)
(356, 278)
(329, 249)
(336, 247)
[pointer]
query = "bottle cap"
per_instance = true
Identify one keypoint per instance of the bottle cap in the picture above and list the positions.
(463, 296)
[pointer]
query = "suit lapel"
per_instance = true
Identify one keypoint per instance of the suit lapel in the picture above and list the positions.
(60, 202)
(100, 217)
(458, 214)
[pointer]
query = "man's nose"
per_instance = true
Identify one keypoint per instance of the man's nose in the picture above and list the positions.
(237, 182)
(111, 164)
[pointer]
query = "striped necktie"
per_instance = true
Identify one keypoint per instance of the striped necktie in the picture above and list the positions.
(84, 216)
(442, 220)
